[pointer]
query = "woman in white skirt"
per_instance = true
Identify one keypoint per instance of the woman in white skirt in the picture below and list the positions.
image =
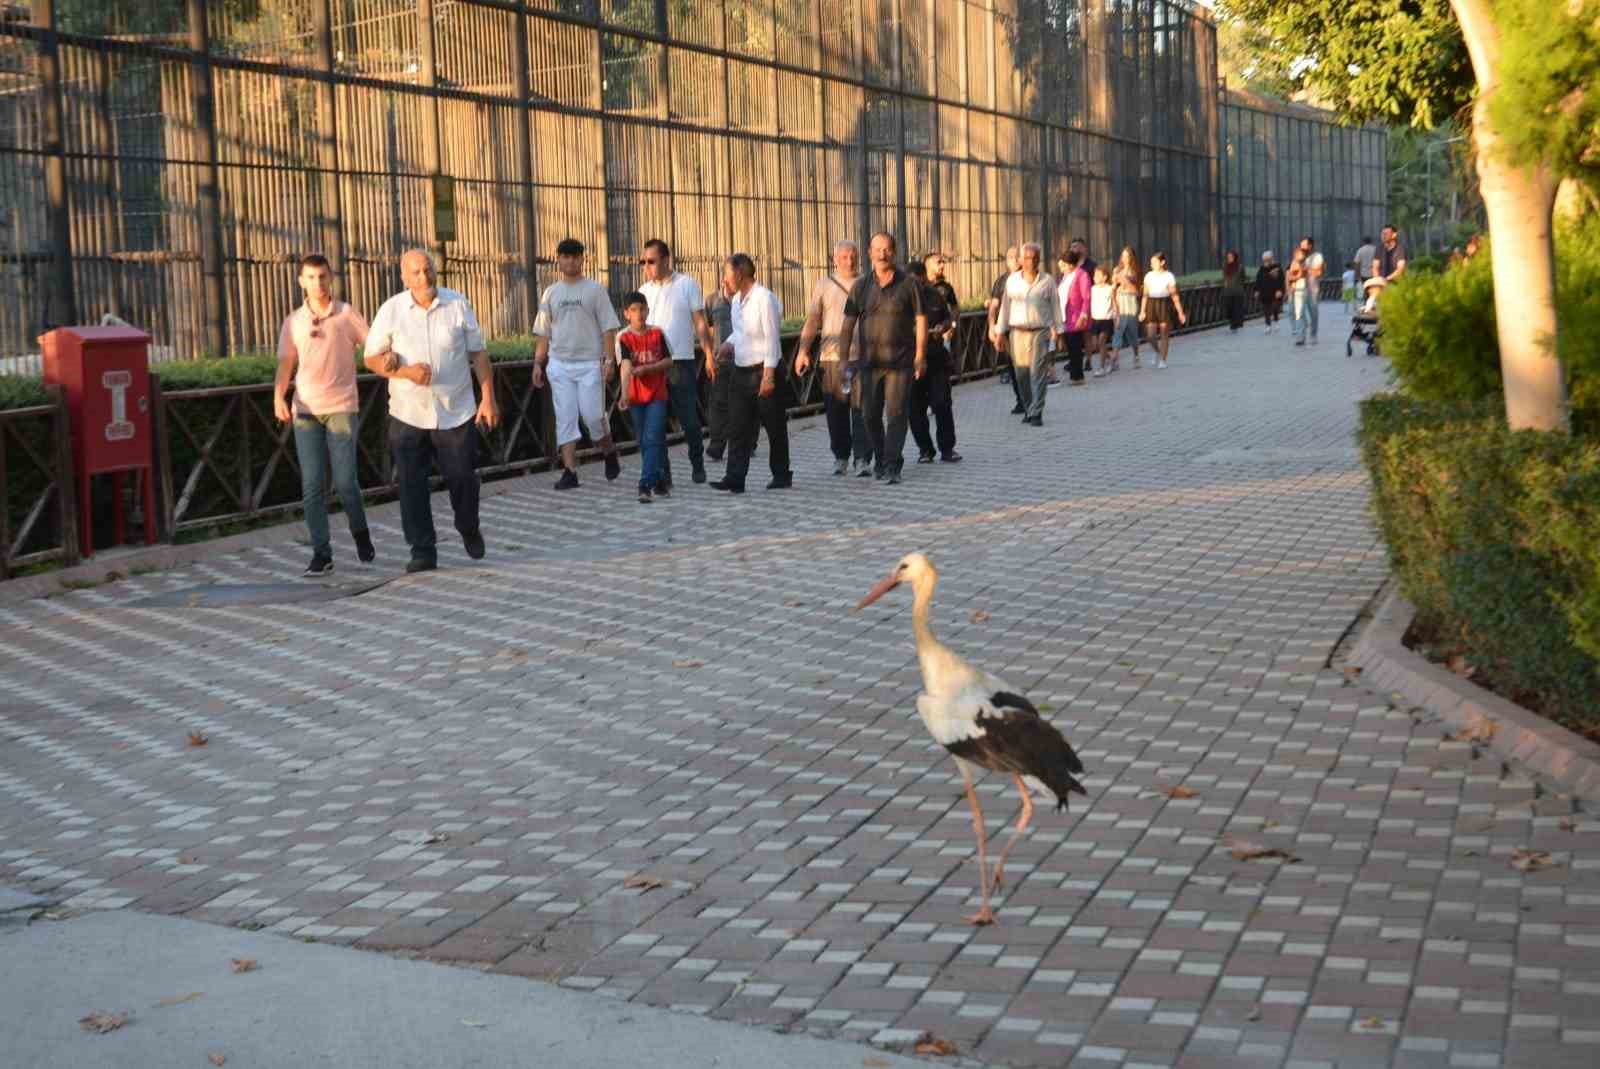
(1162, 308)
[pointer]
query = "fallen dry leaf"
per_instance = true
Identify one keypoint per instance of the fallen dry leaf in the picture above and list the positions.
(1458, 664)
(1179, 791)
(178, 1000)
(1530, 860)
(1569, 824)
(1372, 1022)
(876, 1063)
(216, 1059)
(198, 738)
(928, 1043)
(243, 964)
(688, 663)
(100, 1022)
(1481, 729)
(642, 882)
(1244, 850)
(979, 616)
(421, 838)
(1352, 671)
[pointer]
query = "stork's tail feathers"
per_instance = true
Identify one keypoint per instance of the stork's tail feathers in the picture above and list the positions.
(1070, 782)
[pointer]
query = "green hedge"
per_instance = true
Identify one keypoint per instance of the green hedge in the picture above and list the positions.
(1495, 537)
(1439, 328)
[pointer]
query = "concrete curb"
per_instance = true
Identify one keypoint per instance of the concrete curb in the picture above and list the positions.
(1567, 759)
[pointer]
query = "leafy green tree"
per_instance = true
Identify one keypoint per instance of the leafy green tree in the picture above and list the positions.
(1528, 73)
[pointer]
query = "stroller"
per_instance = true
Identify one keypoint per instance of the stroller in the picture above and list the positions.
(1364, 324)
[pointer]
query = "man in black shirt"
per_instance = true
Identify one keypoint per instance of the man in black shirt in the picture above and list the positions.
(933, 389)
(1391, 262)
(996, 292)
(883, 339)
(1084, 259)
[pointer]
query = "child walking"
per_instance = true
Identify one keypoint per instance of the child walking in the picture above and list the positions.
(645, 357)
(1102, 312)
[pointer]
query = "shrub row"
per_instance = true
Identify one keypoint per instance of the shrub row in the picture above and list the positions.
(1493, 536)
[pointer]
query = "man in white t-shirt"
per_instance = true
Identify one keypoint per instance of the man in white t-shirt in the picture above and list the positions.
(678, 307)
(577, 339)
(1314, 268)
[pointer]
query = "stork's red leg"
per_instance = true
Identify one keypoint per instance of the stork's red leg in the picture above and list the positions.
(1022, 825)
(985, 915)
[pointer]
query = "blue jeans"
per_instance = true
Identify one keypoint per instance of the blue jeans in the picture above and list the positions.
(650, 426)
(1305, 313)
(683, 391)
(331, 436)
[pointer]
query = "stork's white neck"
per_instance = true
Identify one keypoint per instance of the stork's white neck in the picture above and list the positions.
(940, 667)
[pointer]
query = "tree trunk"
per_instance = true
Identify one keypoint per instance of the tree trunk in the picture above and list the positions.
(1518, 198)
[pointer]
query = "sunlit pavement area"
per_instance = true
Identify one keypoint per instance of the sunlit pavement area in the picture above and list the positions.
(473, 765)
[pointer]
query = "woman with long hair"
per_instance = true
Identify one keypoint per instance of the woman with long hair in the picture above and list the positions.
(1162, 307)
(1074, 292)
(1126, 279)
(1233, 289)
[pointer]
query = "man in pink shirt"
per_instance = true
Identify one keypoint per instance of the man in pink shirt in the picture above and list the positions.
(317, 351)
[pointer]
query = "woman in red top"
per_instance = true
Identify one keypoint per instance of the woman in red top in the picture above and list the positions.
(645, 358)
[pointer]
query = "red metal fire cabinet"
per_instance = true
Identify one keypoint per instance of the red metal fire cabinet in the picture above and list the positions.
(106, 373)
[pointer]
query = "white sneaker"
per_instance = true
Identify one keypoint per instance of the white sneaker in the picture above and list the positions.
(1098, 373)
(1161, 365)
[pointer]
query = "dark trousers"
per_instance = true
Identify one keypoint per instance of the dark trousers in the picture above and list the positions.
(885, 391)
(717, 410)
(846, 431)
(1271, 309)
(748, 414)
(1234, 303)
(933, 391)
(1075, 340)
(415, 451)
(683, 398)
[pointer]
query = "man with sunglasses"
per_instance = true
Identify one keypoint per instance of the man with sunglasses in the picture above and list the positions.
(317, 351)
(677, 307)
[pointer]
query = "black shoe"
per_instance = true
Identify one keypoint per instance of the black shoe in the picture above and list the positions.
(894, 477)
(732, 488)
(364, 549)
(474, 544)
(568, 480)
(663, 489)
(699, 475)
(714, 457)
(925, 457)
(644, 495)
(781, 482)
(880, 474)
(321, 564)
(951, 457)
(613, 466)
(1034, 421)
(1018, 410)
(420, 564)
(864, 471)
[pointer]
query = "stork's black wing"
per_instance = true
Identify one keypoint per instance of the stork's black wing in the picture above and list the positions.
(1015, 738)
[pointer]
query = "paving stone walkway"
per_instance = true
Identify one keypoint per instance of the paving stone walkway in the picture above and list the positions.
(470, 765)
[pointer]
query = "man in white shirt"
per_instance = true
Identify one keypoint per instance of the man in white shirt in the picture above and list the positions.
(678, 307)
(576, 332)
(427, 343)
(1314, 268)
(755, 396)
(1028, 317)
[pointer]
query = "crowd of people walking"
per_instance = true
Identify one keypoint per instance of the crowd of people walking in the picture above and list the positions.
(880, 339)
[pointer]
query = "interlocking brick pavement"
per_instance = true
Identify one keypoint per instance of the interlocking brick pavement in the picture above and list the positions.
(470, 764)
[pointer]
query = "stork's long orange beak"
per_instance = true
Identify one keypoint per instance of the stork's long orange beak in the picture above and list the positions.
(879, 591)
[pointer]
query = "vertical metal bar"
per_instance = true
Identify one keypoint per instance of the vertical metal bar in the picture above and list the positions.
(330, 215)
(524, 146)
(432, 140)
(863, 172)
(61, 304)
(214, 295)
(900, 126)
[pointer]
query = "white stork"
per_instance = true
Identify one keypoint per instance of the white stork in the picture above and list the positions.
(982, 721)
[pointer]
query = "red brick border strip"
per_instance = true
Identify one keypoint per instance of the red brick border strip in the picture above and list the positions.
(1567, 759)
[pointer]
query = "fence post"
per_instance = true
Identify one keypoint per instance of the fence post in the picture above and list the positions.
(66, 479)
(214, 298)
(330, 214)
(432, 142)
(163, 459)
(61, 305)
(524, 145)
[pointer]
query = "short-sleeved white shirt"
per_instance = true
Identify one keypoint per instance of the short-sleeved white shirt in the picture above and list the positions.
(575, 317)
(1159, 284)
(443, 336)
(673, 304)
